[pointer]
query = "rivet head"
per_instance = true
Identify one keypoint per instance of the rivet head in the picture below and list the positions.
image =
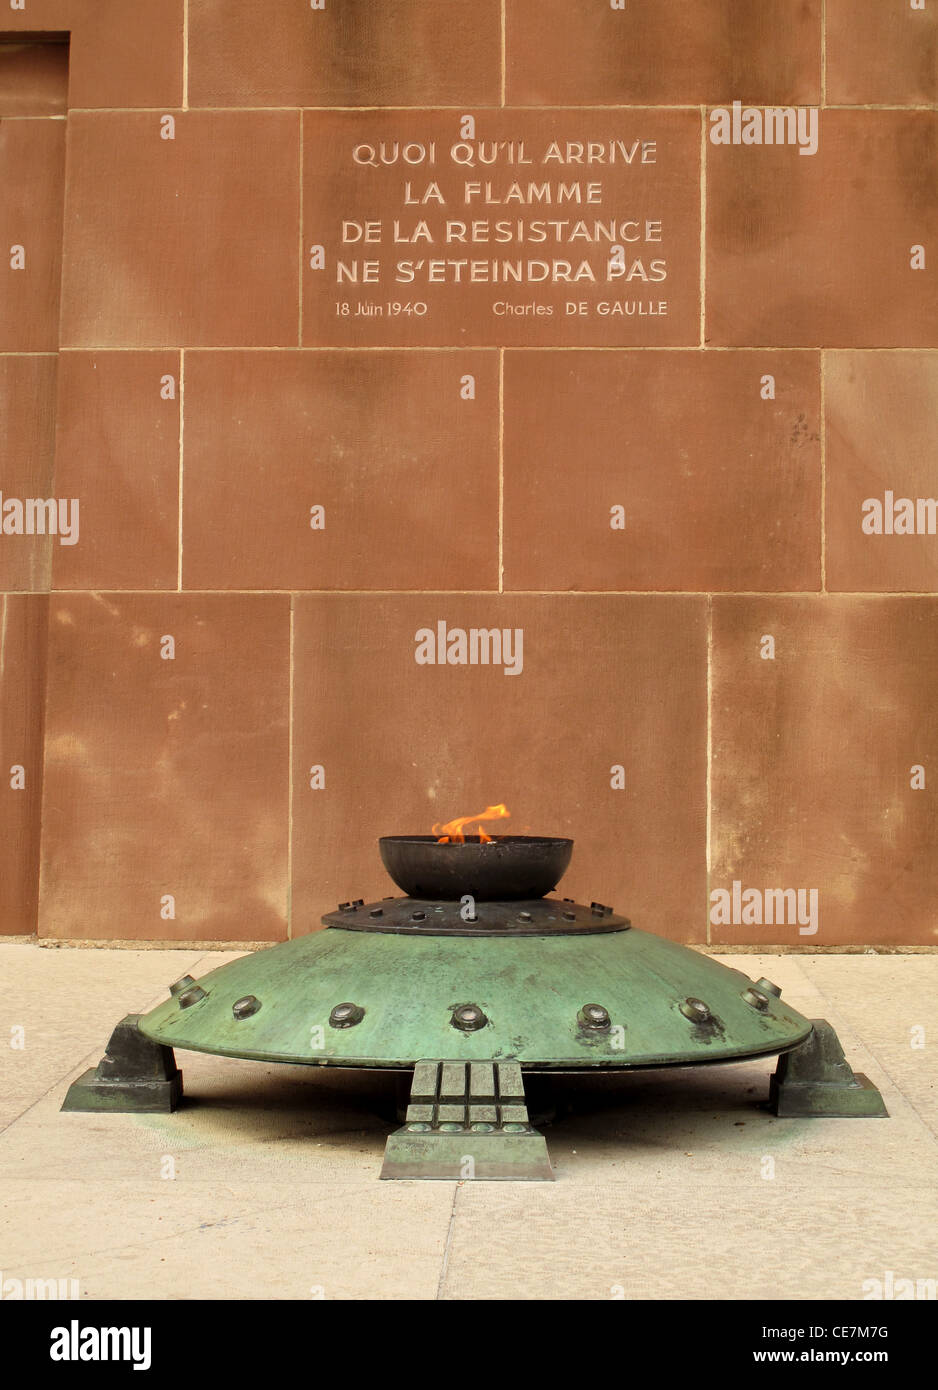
(181, 984)
(593, 1016)
(768, 986)
(189, 994)
(346, 1015)
(756, 998)
(569, 916)
(244, 1008)
(696, 1010)
(468, 1018)
(419, 1127)
(524, 916)
(450, 1127)
(418, 916)
(376, 912)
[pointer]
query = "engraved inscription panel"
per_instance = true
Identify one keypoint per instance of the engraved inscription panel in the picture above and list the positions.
(514, 228)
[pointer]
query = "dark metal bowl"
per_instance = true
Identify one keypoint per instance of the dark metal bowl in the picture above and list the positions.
(511, 866)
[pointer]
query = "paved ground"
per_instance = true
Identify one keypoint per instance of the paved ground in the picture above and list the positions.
(668, 1185)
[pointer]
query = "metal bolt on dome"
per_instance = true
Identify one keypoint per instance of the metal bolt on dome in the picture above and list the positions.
(346, 1015)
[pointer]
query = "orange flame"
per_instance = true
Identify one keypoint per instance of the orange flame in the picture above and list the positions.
(454, 831)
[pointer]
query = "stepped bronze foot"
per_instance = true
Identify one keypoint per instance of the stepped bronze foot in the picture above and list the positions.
(134, 1075)
(815, 1079)
(465, 1121)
